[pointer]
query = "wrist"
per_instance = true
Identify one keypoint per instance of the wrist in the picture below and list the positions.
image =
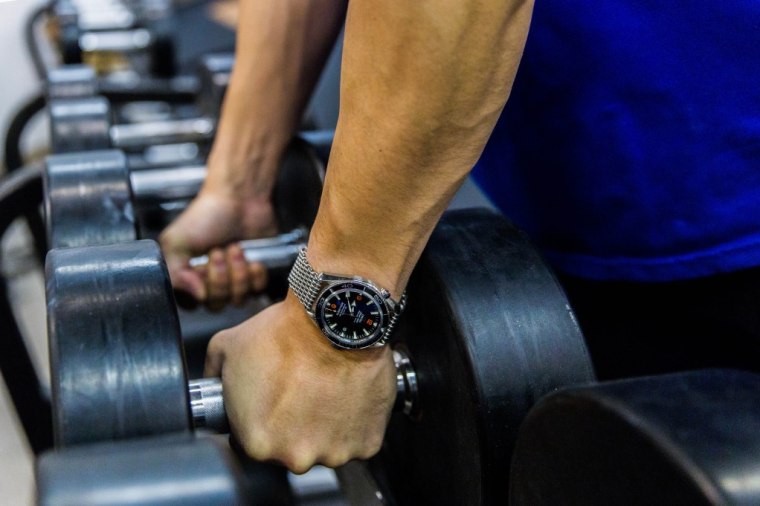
(242, 177)
(349, 248)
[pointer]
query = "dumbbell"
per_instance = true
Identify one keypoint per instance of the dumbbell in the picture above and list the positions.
(139, 289)
(112, 36)
(93, 198)
(79, 80)
(167, 469)
(690, 438)
(79, 122)
(206, 86)
(91, 16)
(487, 328)
(105, 15)
(83, 124)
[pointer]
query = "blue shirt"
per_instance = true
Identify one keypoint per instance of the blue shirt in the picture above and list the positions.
(630, 146)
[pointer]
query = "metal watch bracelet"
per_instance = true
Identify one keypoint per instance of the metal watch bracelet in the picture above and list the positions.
(306, 284)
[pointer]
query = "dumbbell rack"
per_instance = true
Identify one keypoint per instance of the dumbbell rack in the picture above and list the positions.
(20, 195)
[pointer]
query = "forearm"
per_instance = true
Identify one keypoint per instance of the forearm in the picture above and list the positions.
(281, 49)
(422, 86)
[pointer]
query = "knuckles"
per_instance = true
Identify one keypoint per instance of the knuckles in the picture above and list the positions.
(300, 457)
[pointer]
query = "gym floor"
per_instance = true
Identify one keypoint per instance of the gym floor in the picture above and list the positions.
(26, 282)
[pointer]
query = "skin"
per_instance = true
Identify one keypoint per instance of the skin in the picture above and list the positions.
(422, 86)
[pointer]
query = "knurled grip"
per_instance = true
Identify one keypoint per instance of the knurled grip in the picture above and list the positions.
(207, 404)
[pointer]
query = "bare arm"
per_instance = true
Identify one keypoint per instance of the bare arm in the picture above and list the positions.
(281, 48)
(422, 86)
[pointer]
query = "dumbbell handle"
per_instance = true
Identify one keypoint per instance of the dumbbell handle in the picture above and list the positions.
(171, 183)
(116, 40)
(274, 252)
(162, 132)
(207, 397)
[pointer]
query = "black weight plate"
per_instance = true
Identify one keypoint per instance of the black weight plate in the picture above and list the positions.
(214, 71)
(79, 124)
(489, 332)
(678, 439)
(116, 359)
(299, 186)
(163, 53)
(197, 33)
(296, 196)
(88, 199)
(165, 470)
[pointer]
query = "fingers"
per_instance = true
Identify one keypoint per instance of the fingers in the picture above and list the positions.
(257, 276)
(217, 277)
(238, 274)
(184, 279)
(287, 406)
(229, 277)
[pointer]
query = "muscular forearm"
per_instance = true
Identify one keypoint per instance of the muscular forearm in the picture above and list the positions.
(422, 85)
(281, 48)
(423, 82)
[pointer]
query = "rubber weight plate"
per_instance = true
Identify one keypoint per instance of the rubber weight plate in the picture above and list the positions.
(116, 359)
(298, 188)
(489, 332)
(678, 439)
(88, 199)
(163, 470)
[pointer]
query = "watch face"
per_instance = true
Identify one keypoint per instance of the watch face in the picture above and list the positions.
(352, 315)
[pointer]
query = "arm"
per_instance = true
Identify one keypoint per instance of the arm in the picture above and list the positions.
(281, 49)
(423, 84)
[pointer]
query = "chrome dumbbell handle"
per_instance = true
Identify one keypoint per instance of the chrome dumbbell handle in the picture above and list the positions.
(116, 40)
(172, 183)
(274, 252)
(207, 404)
(162, 132)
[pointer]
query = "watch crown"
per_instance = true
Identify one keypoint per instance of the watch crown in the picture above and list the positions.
(385, 293)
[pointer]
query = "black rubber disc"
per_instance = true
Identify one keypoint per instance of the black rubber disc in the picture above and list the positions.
(88, 199)
(79, 124)
(489, 332)
(296, 199)
(679, 439)
(299, 186)
(164, 470)
(116, 359)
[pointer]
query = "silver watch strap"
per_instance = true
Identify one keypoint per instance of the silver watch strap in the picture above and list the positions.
(304, 281)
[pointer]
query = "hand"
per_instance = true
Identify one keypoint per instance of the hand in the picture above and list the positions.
(208, 226)
(293, 398)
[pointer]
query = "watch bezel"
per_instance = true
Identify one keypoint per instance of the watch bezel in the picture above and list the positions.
(360, 286)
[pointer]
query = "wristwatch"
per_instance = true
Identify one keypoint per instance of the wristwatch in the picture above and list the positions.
(353, 312)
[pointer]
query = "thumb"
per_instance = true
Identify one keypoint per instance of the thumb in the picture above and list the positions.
(177, 256)
(214, 358)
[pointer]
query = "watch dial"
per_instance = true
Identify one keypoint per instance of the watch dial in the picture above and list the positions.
(351, 315)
